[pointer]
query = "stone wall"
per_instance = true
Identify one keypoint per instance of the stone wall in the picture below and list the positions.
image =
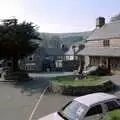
(82, 90)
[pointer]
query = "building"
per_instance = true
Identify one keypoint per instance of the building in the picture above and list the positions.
(71, 59)
(42, 60)
(103, 45)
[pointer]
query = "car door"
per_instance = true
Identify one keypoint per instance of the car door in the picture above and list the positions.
(95, 113)
(112, 105)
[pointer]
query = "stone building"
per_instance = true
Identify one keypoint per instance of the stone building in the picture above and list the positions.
(103, 45)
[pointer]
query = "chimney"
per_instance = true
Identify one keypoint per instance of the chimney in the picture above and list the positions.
(100, 21)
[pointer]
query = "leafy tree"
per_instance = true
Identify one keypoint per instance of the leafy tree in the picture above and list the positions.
(17, 40)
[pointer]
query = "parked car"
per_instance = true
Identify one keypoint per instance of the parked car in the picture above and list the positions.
(88, 107)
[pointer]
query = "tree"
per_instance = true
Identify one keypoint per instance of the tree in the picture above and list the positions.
(17, 40)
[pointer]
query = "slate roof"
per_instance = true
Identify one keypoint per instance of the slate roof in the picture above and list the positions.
(115, 52)
(54, 51)
(109, 30)
(50, 51)
(70, 50)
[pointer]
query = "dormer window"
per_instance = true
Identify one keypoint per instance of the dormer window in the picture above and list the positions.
(106, 43)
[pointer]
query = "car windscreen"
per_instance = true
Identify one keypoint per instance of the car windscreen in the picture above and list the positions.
(73, 110)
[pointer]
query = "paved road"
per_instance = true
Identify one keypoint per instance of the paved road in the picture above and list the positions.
(51, 103)
(17, 102)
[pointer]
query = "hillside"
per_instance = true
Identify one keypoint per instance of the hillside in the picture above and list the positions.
(67, 38)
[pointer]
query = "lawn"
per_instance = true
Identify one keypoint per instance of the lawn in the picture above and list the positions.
(68, 80)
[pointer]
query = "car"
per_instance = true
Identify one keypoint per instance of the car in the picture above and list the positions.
(93, 106)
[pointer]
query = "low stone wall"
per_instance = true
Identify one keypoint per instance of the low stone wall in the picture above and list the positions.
(82, 90)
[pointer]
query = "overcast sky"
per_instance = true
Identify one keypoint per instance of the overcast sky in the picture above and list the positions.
(60, 15)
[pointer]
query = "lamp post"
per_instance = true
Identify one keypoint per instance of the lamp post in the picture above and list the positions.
(73, 47)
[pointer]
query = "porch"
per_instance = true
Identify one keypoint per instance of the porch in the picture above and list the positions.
(111, 63)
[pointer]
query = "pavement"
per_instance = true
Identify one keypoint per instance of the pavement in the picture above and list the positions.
(49, 75)
(18, 101)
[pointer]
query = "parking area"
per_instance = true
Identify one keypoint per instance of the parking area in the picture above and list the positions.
(16, 104)
(18, 101)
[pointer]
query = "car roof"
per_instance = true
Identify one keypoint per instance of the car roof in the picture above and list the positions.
(94, 98)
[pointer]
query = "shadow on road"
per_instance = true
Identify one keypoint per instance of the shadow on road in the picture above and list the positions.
(36, 85)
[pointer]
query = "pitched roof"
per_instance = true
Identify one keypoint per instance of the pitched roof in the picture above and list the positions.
(100, 51)
(71, 51)
(50, 51)
(54, 51)
(109, 30)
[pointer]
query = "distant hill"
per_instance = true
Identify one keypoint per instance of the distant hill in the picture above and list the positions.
(67, 38)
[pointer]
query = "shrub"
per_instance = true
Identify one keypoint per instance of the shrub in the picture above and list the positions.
(114, 115)
(100, 72)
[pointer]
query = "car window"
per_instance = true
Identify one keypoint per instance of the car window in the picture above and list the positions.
(112, 105)
(94, 110)
(118, 100)
(73, 110)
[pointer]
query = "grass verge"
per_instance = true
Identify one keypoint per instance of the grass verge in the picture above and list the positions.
(69, 81)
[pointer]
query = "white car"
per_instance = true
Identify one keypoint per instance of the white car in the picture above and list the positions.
(88, 107)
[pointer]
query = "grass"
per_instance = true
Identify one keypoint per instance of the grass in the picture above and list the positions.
(114, 115)
(69, 81)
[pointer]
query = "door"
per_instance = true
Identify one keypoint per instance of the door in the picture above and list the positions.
(95, 113)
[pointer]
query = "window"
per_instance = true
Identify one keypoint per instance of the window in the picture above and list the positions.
(25, 67)
(118, 100)
(60, 57)
(94, 110)
(73, 110)
(106, 43)
(59, 64)
(112, 105)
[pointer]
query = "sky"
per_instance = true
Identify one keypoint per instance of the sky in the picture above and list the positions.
(59, 16)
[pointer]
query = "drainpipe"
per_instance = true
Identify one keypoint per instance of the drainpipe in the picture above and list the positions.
(109, 66)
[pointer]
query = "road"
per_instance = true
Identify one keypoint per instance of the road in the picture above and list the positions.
(17, 104)
(18, 101)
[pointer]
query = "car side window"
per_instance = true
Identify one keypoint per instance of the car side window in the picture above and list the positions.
(112, 105)
(94, 110)
(118, 100)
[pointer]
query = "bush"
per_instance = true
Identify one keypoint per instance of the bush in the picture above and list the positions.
(100, 72)
(114, 115)
(18, 76)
